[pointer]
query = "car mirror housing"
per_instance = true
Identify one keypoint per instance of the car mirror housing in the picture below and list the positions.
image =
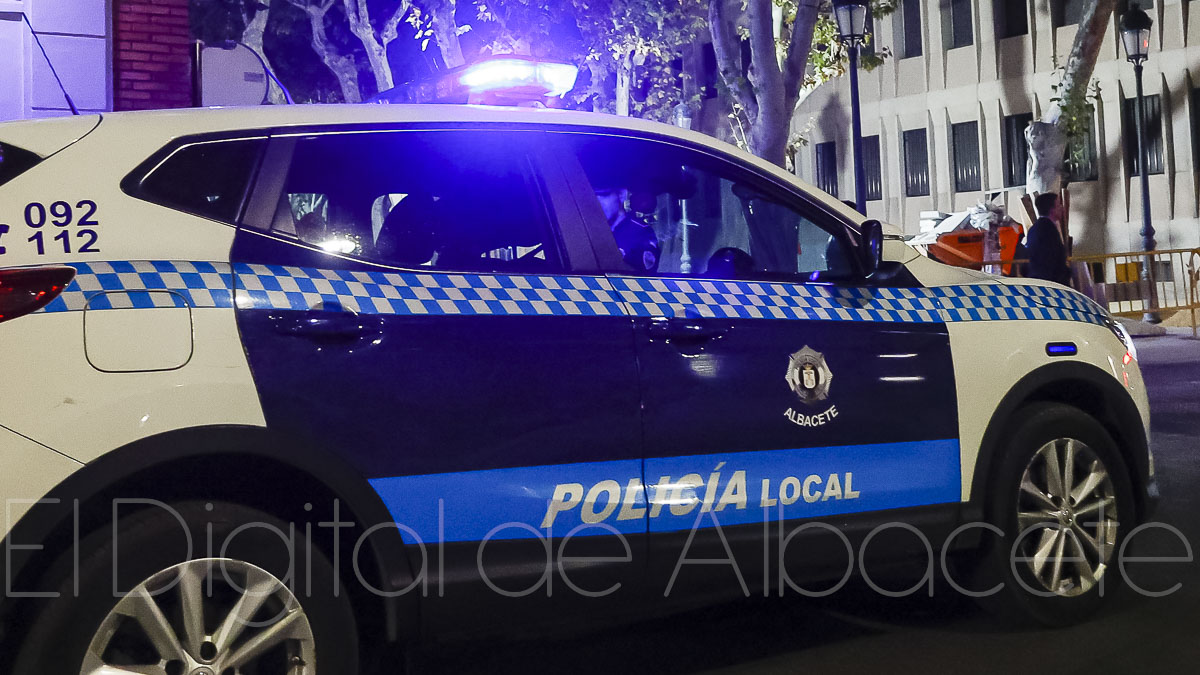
(870, 246)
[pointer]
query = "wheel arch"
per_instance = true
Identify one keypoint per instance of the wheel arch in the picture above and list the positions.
(231, 463)
(1082, 386)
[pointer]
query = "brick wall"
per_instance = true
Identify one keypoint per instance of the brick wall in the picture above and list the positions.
(151, 54)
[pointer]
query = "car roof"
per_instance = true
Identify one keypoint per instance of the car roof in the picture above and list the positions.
(179, 122)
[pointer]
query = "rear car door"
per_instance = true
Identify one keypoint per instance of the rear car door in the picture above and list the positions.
(778, 385)
(405, 300)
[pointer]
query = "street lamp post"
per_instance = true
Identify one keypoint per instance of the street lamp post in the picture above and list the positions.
(852, 28)
(682, 115)
(1135, 35)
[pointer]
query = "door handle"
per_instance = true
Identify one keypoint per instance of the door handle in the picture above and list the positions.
(324, 324)
(686, 330)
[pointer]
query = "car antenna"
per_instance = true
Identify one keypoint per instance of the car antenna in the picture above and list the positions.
(70, 103)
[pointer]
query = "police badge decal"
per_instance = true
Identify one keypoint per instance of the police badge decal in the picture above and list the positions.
(809, 377)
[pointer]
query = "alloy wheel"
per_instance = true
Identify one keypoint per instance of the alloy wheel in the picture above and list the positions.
(204, 617)
(1067, 516)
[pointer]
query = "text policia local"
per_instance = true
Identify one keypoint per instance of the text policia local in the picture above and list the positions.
(599, 502)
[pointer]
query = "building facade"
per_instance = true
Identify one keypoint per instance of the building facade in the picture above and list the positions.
(110, 55)
(944, 118)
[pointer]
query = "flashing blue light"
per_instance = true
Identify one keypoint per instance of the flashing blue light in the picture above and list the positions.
(499, 75)
(1061, 349)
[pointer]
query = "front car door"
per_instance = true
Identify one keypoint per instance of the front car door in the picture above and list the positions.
(779, 386)
(405, 300)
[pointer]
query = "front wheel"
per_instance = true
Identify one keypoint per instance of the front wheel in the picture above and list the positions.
(1061, 504)
(149, 600)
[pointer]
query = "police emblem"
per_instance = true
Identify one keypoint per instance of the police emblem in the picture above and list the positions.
(809, 376)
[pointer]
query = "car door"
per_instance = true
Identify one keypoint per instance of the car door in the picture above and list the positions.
(405, 300)
(778, 385)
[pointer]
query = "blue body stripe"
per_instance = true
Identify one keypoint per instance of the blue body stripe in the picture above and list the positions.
(203, 284)
(747, 488)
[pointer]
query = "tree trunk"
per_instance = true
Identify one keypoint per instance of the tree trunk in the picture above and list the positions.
(445, 32)
(799, 45)
(359, 18)
(768, 93)
(1047, 142)
(252, 37)
(1047, 147)
(624, 80)
(342, 67)
(769, 129)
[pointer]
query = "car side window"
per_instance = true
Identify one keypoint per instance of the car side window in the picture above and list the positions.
(14, 161)
(678, 212)
(207, 178)
(439, 200)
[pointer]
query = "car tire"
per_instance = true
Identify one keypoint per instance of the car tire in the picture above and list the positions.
(1024, 574)
(139, 580)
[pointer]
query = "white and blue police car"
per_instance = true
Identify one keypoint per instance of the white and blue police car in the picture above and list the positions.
(294, 390)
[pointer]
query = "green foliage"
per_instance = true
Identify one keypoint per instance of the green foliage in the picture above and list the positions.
(1077, 111)
(829, 58)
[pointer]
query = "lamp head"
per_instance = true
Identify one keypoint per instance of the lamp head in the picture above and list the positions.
(1135, 34)
(851, 18)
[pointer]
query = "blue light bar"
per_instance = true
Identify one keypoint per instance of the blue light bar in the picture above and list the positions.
(509, 74)
(1061, 349)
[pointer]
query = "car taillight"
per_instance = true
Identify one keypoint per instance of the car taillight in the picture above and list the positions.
(29, 289)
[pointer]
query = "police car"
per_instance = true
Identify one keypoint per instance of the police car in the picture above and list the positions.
(296, 389)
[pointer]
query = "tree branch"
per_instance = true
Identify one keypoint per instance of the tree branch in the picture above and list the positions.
(727, 46)
(342, 67)
(391, 26)
(445, 31)
(1093, 26)
(796, 63)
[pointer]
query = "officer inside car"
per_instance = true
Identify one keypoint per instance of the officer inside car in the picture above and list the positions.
(636, 239)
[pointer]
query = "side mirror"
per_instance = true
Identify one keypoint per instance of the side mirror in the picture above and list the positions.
(870, 246)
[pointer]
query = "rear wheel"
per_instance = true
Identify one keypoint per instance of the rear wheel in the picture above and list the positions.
(1063, 501)
(146, 604)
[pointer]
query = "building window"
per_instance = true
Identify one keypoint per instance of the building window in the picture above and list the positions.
(965, 141)
(1085, 167)
(1016, 149)
(1066, 12)
(873, 167)
(827, 177)
(916, 163)
(957, 26)
(1154, 135)
(1012, 18)
(909, 28)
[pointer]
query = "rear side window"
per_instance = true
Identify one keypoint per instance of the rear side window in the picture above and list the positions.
(206, 178)
(14, 161)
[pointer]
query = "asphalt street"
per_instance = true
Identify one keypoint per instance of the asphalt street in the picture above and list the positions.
(857, 630)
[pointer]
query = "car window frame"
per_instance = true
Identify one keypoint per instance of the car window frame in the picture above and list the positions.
(609, 256)
(561, 218)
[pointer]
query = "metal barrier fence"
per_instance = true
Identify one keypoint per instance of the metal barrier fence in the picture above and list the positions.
(1130, 284)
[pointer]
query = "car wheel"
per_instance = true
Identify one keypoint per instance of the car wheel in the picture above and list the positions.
(1063, 502)
(152, 595)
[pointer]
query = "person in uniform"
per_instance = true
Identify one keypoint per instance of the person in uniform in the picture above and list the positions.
(636, 239)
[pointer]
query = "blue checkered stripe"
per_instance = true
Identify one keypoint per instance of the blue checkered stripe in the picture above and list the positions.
(763, 300)
(145, 284)
(130, 284)
(997, 302)
(279, 287)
